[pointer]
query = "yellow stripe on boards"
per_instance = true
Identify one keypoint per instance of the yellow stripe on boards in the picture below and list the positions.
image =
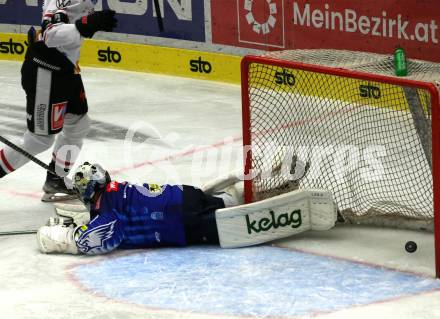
(141, 58)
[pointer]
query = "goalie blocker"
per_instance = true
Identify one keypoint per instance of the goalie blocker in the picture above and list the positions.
(277, 217)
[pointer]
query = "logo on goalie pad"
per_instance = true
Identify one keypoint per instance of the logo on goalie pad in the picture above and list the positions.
(266, 223)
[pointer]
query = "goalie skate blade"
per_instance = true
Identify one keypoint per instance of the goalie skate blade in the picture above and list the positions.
(57, 197)
(18, 232)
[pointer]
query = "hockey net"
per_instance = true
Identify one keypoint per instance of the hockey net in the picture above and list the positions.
(368, 136)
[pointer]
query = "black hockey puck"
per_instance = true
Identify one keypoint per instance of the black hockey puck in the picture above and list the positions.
(410, 246)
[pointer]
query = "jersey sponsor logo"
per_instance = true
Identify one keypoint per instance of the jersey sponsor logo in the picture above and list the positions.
(63, 3)
(149, 190)
(285, 78)
(113, 186)
(29, 117)
(109, 55)
(370, 91)
(40, 112)
(93, 239)
(58, 112)
(273, 222)
(155, 188)
(200, 66)
(11, 47)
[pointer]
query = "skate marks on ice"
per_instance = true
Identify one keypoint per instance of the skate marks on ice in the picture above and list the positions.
(253, 282)
(14, 124)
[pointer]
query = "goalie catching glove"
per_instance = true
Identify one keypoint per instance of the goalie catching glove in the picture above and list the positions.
(57, 238)
(98, 21)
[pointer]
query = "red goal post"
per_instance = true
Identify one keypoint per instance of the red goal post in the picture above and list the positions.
(286, 101)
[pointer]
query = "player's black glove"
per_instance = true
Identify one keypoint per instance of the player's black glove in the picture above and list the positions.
(98, 21)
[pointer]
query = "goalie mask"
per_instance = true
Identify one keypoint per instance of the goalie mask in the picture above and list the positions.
(88, 180)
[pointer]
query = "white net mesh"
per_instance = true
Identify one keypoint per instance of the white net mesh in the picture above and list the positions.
(361, 61)
(367, 141)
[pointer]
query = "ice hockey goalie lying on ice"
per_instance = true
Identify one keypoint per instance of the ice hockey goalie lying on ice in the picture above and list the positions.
(125, 215)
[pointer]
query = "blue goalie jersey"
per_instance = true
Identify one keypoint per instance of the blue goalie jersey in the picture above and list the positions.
(134, 216)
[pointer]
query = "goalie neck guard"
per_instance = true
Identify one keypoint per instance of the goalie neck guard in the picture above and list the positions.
(90, 179)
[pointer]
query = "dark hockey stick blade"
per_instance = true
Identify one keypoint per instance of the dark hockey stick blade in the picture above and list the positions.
(159, 15)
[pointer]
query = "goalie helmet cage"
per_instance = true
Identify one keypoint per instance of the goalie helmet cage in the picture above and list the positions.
(370, 137)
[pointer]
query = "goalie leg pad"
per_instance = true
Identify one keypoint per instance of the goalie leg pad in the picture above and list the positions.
(274, 218)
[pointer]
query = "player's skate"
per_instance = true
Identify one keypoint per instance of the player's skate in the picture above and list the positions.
(55, 190)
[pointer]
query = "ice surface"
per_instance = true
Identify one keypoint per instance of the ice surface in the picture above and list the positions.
(188, 131)
(254, 282)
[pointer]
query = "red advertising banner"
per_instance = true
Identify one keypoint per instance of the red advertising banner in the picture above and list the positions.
(261, 21)
(375, 26)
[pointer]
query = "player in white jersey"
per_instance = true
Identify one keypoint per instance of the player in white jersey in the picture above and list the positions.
(55, 97)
